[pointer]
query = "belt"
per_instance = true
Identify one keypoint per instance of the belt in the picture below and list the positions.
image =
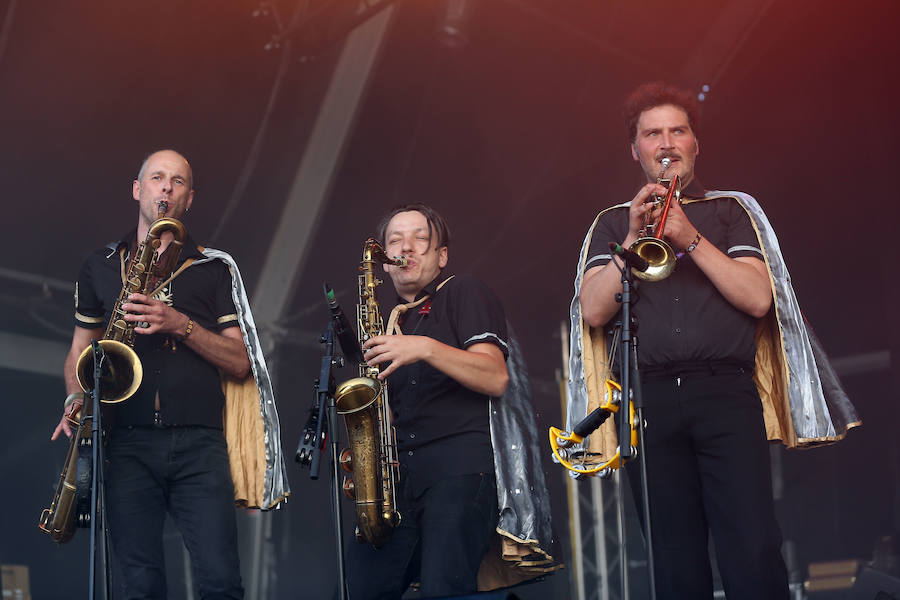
(711, 367)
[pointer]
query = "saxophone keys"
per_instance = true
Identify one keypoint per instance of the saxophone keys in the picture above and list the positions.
(346, 460)
(349, 488)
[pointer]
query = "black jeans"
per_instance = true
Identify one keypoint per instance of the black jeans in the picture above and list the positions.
(444, 533)
(708, 471)
(183, 471)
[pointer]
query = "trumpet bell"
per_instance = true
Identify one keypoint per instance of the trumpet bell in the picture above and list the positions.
(658, 254)
(122, 375)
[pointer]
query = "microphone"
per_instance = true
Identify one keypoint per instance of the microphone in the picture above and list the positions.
(342, 329)
(590, 423)
(632, 259)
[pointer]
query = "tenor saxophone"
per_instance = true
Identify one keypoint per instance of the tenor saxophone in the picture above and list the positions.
(121, 377)
(363, 402)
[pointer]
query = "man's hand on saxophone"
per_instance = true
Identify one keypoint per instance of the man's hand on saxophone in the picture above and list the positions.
(81, 339)
(480, 367)
(393, 351)
(65, 423)
(155, 316)
(225, 350)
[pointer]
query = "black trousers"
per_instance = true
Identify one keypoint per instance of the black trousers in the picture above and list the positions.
(444, 533)
(183, 471)
(708, 471)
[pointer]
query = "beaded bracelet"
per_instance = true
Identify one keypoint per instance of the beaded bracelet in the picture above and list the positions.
(693, 244)
(188, 329)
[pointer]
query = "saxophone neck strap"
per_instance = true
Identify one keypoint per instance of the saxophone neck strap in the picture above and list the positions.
(122, 263)
(174, 274)
(393, 326)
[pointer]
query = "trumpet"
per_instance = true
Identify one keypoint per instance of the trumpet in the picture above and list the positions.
(650, 246)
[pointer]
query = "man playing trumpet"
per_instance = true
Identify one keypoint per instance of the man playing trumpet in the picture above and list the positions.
(708, 333)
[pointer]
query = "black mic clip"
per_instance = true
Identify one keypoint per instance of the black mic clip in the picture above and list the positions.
(632, 259)
(343, 331)
(307, 446)
(592, 422)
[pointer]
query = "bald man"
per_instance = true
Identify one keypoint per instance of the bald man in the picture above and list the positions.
(166, 450)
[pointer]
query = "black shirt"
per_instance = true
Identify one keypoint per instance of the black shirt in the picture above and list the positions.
(443, 428)
(684, 318)
(190, 389)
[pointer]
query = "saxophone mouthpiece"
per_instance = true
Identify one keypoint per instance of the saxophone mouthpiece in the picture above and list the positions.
(401, 261)
(162, 207)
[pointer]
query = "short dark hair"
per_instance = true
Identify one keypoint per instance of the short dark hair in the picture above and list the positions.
(658, 93)
(436, 223)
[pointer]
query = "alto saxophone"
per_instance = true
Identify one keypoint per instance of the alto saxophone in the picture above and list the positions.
(363, 402)
(121, 377)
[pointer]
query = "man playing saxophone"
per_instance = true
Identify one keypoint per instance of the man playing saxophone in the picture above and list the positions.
(442, 370)
(708, 333)
(166, 451)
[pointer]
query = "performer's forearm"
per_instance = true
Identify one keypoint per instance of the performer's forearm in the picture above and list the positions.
(480, 368)
(744, 282)
(81, 339)
(224, 350)
(599, 289)
(72, 385)
(598, 294)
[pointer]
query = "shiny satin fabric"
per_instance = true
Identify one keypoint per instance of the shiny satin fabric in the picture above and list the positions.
(251, 421)
(521, 549)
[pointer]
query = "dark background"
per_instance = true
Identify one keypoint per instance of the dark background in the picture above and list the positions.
(515, 136)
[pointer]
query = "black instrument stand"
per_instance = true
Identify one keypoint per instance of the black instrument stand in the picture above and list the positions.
(99, 531)
(632, 394)
(309, 452)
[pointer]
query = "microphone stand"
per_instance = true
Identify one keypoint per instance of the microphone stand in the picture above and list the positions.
(311, 454)
(98, 497)
(632, 394)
